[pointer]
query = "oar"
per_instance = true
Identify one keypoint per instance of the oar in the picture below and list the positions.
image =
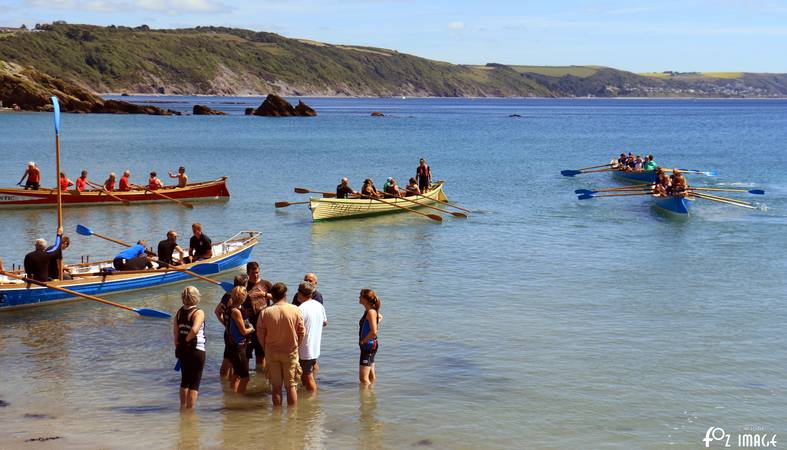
(147, 312)
(588, 196)
(720, 198)
(571, 173)
(453, 205)
(455, 214)
(434, 217)
(113, 197)
(750, 191)
(714, 199)
(596, 167)
(309, 191)
(709, 173)
(180, 202)
(285, 204)
(85, 231)
(635, 187)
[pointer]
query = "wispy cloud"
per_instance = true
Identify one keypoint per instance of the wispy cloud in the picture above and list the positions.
(456, 25)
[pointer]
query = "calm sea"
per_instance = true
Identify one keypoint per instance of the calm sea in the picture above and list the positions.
(541, 321)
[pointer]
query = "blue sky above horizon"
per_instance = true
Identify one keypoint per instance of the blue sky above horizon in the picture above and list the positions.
(688, 35)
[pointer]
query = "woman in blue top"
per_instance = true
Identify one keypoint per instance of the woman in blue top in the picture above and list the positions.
(236, 331)
(367, 335)
(189, 335)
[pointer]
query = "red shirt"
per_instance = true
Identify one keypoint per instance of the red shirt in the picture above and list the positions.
(154, 183)
(123, 185)
(109, 185)
(65, 183)
(34, 175)
(81, 184)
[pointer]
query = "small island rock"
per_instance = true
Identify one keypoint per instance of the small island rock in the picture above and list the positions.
(202, 110)
(275, 106)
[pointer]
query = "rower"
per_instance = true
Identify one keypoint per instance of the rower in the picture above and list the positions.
(33, 177)
(412, 188)
(662, 186)
(622, 161)
(368, 190)
(343, 190)
(630, 163)
(638, 163)
(200, 245)
(37, 261)
(168, 247)
(132, 258)
(391, 189)
(680, 187)
(65, 183)
(82, 181)
(424, 176)
(183, 179)
(109, 183)
(124, 184)
(56, 262)
(649, 164)
(154, 182)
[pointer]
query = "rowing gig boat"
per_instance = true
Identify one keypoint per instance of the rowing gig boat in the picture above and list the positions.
(200, 191)
(643, 176)
(98, 278)
(674, 205)
(351, 208)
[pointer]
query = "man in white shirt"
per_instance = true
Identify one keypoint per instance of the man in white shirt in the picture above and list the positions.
(314, 319)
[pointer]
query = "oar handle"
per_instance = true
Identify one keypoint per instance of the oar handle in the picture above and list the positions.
(432, 207)
(431, 216)
(182, 203)
(68, 291)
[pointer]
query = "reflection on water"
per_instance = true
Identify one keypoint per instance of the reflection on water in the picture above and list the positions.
(371, 429)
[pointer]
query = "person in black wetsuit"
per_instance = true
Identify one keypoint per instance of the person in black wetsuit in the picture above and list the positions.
(57, 260)
(221, 309)
(256, 300)
(167, 247)
(200, 245)
(37, 261)
(343, 190)
(367, 335)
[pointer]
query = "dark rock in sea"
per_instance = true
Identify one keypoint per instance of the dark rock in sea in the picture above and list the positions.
(3, 403)
(119, 107)
(124, 94)
(275, 106)
(514, 115)
(378, 114)
(423, 443)
(249, 111)
(43, 439)
(38, 416)
(202, 110)
(304, 110)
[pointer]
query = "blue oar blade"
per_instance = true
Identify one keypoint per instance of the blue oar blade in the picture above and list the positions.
(84, 231)
(583, 191)
(585, 197)
(227, 286)
(757, 192)
(56, 106)
(147, 312)
(569, 173)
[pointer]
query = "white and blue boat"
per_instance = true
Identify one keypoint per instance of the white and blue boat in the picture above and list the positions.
(644, 176)
(99, 279)
(674, 205)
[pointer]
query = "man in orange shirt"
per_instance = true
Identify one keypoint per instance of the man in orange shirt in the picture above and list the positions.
(82, 182)
(280, 329)
(33, 177)
(65, 183)
(123, 185)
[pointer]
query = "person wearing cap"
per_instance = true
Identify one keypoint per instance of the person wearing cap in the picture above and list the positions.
(33, 176)
(343, 190)
(314, 319)
(124, 184)
(309, 278)
(368, 190)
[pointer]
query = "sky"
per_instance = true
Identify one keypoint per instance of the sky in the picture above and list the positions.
(640, 36)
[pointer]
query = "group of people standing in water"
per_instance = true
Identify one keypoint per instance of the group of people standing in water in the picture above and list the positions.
(32, 180)
(284, 338)
(418, 185)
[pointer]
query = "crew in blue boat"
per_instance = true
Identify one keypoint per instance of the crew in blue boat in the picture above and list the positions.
(168, 247)
(189, 335)
(343, 190)
(631, 163)
(638, 163)
(663, 186)
(37, 261)
(622, 160)
(680, 187)
(649, 164)
(57, 260)
(200, 245)
(132, 258)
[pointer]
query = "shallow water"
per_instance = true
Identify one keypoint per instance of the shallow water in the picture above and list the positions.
(540, 321)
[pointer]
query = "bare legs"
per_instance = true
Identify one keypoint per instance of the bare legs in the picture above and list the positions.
(366, 374)
(238, 384)
(308, 382)
(188, 398)
(226, 369)
(292, 395)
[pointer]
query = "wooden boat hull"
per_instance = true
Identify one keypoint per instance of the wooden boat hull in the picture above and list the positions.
(674, 205)
(231, 253)
(345, 208)
(11, 198)
(646, 176)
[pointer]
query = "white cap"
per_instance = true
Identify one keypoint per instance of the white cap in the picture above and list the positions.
(31, 163)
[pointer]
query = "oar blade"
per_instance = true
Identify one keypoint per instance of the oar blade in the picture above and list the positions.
(281, 204)
(301, 190)
(585, 197)
(435, 217)
(757, 192)
(148, 312)
(83, 230)
(458, 214)
(226, 286)
(583, 191)
(570, 173)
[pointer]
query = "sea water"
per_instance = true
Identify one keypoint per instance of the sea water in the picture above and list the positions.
(539, 321)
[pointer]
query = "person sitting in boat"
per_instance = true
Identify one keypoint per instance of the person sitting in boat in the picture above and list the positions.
(424, 175)
(132, 258)
(662, 187)
(680, 187)
(343, 190)
(631, 163)
(37, 261)
(154, 182)
(124, 184)
(368, 190)
(183, 179)
(649, 164)
(622, 161)
(82, 181)
(56, 262)
(65, 183)
(412, 188)
(168, 247)
(638, 164)
(200, 245)
(109, 183)
(391, 189)
(33, 176)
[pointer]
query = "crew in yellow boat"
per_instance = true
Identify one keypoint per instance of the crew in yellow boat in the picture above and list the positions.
(343, 190)
(412, 188)
(368, 190)
(391, 189)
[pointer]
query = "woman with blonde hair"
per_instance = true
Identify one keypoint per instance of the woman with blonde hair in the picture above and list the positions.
(367, 335)
(188, 331)
(237, 331)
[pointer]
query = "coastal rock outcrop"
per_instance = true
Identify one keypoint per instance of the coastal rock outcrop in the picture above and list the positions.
(202, 110)
(249, 111)
(275, 106)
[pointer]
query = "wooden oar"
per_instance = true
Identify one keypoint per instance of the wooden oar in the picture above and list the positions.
(180, 202)
(634, 187)
(452, 205)
(571, 173)
(588, 196)
(147, 312)
(285, 204)
(455, 214)
(750, 191)
(434, 217)
(85, 231)
(113, 197)
(720, 198)
(596, 167)
(309, 191)
(709, 173)
(714, 199)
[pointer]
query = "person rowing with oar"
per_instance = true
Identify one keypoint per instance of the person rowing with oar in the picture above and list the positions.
(412, 188)
(649, 164)
(154, 182)
(343, 190)
(65, 183)
(621, 163)
(663, 186)
(680, 187)
(33, 176)
(183, 179)
(391, 189)
(368, 190)
(133, 258)
(109, 183)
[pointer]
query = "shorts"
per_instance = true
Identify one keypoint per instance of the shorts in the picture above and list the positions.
(282, 369)
(192, 362)
(239, 360)
(307, 365)
(254, 347)
(227, 348)
(368, 353)
(32, 185)
(423, 186)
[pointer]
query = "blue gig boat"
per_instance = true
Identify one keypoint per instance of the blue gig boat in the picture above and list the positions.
(645, 176)
(675, 205)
